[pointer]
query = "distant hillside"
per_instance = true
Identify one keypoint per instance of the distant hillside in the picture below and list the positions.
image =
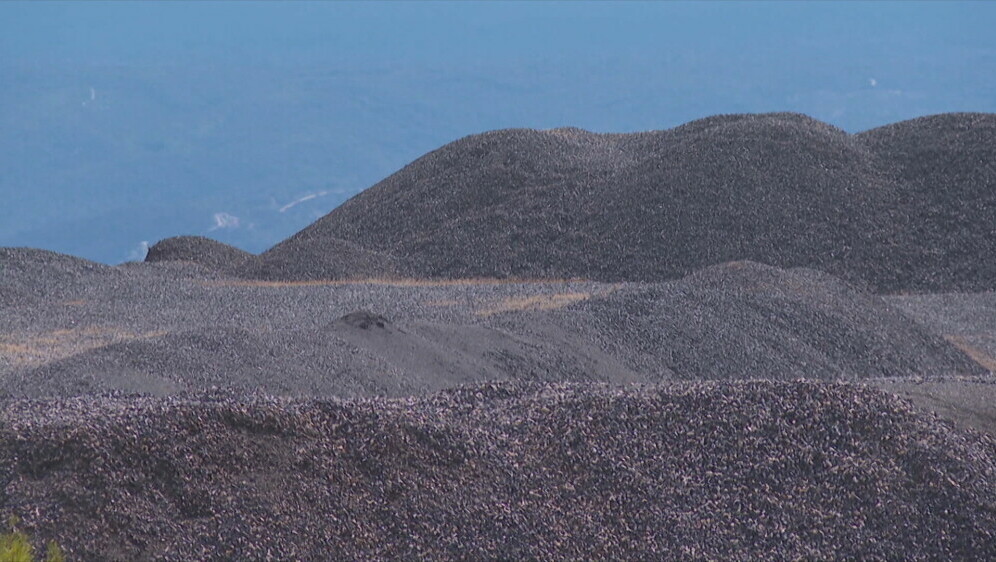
(908, 207)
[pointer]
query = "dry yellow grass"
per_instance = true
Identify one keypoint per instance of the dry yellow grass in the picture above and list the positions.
(445, 302)
(28, 350)
(534, 302)
(977, 355)
(388, 282)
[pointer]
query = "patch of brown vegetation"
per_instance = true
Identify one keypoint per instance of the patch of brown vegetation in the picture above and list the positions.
(444, 302)
(28, 350)
(534, 302)
(977, 355)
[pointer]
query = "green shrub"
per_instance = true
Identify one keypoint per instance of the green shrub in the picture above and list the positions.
(15, 546)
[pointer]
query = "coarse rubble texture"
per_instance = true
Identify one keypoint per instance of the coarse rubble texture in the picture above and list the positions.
(947, 164)
(327, 258)
(141, 329)
(28, 275)
(750, 470)
(967, 320)
(735, 320)
(200, 250)
(907, 207)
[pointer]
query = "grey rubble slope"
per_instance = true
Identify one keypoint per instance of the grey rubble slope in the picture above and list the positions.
(200, 250)
(746, 320)
(199, 466)
(327, 259)
(754, 470)
(736, 321)
(29, 274)
(911, 206)
(947, 165)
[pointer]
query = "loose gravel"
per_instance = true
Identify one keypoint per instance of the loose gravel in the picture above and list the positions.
(908, 207)
(160, 329)
(740, 471)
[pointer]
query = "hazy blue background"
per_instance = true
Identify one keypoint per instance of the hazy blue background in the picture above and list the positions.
(124, 123)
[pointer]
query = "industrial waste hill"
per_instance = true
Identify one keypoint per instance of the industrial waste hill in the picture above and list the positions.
(905, 207)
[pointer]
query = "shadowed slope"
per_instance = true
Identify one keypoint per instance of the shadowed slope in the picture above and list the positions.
(343, 359)
(946, 166)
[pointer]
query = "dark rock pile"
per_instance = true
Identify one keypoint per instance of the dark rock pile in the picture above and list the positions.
(28, 274)
(747, 320)
(754, 470)
(200, 250)
(326, 258)
(946, 165)
(170, 410)
(906, 207)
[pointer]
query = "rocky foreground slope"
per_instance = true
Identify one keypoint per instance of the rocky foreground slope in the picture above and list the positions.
(751, 470)
(646, 398)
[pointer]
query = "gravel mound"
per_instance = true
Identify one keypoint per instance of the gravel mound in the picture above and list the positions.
(321, 259)
(737, 321)
(781, 189)
(306, 260)
(200, 250)
(10, 296)
(968, 321)
(945, 164)
(28, 274)
(754, 470)
(747, 320)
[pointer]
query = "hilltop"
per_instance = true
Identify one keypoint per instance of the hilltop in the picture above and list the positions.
(908, 207)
